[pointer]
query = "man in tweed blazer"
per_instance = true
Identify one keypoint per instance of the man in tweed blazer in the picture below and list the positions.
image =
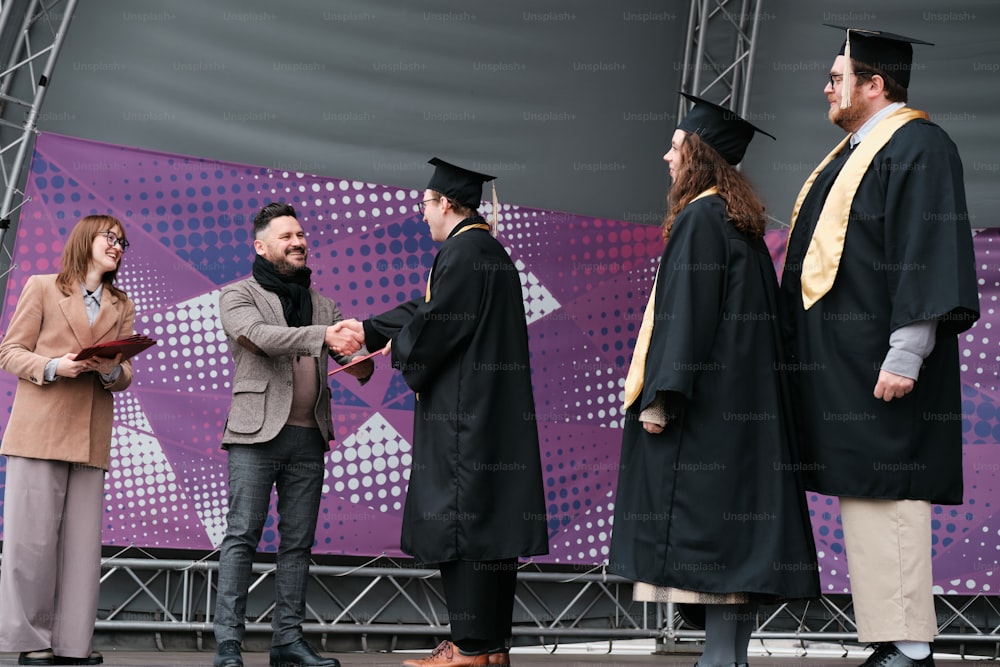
(280, 333)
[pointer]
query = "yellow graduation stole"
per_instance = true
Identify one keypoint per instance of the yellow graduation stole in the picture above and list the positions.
(478, 225)
(819, 267)
(636, 377)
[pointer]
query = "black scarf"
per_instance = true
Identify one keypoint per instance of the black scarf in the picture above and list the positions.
(293, 290)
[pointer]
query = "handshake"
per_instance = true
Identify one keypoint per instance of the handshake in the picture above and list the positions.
(347, 336)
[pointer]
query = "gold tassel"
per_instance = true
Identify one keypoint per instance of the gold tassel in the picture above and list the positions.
(495, 218)
(846, 83)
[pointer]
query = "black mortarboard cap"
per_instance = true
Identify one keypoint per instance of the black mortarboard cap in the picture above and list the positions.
(463, 185)
(720, 128)
(885, 51)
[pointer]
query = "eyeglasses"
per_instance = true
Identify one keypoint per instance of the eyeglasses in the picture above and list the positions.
(114, 240)
(423, 205)
(837, 78)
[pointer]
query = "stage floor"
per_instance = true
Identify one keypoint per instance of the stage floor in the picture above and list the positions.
(520, 657)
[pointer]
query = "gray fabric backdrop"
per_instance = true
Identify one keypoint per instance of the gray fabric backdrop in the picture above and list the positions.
(571, 104)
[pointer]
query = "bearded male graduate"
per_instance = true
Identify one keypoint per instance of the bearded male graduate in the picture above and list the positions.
(878, 282)
(475, 502)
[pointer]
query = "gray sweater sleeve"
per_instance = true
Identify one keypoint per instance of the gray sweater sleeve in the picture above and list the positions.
(908, 347)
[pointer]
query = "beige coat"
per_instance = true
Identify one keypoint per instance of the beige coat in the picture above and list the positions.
(69, 419)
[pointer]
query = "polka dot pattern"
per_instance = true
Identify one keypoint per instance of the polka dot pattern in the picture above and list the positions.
(538, 301)
(980, 346)
(371, 467)
(192, 351)
(588, 541)
(144, 496)
(585, 283)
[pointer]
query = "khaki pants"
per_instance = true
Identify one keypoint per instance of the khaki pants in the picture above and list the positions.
(888, 545)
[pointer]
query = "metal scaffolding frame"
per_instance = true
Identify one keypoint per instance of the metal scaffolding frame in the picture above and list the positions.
(383, 605)
(31, 37)
(718, 52)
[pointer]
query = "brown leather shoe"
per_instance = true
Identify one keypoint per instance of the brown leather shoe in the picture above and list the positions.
(499, 659)
(448, 655)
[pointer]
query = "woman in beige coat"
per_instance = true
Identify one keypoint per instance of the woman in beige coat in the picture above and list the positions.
(58, 447)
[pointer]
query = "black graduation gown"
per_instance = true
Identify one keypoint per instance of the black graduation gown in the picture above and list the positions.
(475, 490)
(714, 503)
(907, 257)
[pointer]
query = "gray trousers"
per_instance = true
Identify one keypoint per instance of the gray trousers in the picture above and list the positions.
(293, 464)
(50, 579)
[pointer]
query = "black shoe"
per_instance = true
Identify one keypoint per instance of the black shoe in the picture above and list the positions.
(228, 654)
(299, 654)
(887, 655)
(95, 658)
(43, 656)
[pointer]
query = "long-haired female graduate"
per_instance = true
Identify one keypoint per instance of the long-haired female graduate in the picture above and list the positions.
(709, 507)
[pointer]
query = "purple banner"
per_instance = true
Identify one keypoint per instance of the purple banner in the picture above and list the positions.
(585, 282)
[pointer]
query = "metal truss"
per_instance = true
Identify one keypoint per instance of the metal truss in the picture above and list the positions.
(384, 605)
(31, 37)
(376, 603)
(718, 56)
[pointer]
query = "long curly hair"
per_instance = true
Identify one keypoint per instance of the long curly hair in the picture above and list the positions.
(701, 167)
(77, 252)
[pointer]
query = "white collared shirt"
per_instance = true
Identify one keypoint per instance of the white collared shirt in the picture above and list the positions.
(92, 301)
(870, 124)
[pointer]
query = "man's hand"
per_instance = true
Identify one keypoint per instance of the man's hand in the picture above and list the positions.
(387, 350)
(354, 326)
(345, 337)
(890, 386)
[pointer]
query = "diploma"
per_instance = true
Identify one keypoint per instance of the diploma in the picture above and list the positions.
(355, 362)
(128, 347)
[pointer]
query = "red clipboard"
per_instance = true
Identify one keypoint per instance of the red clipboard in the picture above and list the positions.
(129, 347)
(355, 362)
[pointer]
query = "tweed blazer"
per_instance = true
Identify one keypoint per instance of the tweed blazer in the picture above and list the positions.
(68, 419)
(263, 347)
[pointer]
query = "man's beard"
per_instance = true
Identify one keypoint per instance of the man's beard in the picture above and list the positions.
(847, 118)
(285, 267)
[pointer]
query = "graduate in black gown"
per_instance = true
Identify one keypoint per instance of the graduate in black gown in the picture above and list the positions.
(879, 279)
(475, 501)
(709, 506)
